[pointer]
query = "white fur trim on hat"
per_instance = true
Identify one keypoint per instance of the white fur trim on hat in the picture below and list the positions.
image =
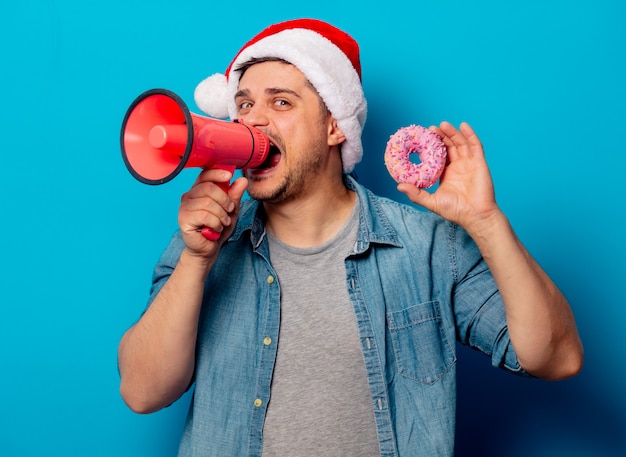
(211, 96)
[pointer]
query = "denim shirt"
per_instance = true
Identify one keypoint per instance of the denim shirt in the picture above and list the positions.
(417, 284)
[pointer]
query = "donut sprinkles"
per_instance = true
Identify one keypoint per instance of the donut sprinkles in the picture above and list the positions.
(430, 148)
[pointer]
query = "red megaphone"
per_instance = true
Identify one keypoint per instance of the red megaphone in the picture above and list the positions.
(160, 137)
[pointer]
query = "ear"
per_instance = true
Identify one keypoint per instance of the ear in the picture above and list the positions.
(335, 135)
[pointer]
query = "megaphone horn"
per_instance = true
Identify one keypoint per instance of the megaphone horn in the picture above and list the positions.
(160, 137)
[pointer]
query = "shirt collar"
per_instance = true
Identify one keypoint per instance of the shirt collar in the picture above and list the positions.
(374, 225)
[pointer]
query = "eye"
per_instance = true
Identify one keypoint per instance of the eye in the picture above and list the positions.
(281, 103)
(244, 107)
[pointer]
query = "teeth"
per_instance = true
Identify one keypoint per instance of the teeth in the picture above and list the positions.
(274, 159)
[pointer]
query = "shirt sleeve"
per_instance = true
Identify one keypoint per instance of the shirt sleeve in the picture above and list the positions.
(166, 264)
(478, 308)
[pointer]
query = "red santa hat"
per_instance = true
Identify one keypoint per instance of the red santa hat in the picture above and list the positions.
(327, 56)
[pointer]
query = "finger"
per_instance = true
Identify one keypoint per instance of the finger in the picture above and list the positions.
(437, 130)
(216, 228)
(418, 196)
(455, 136)
(207, 194)
(191, 201)
(237, 189)
(446, 134)
(196, 221)
(214, 175)
(462, 145)
(213, 183)
(210, 223)
(200, 212)
(473, 141)
(206, 204)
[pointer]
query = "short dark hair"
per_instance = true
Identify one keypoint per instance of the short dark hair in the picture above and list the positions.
(243, 67)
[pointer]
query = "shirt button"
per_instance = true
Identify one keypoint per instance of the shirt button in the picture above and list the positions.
(267, 341)
(258, 402)
(270, 279)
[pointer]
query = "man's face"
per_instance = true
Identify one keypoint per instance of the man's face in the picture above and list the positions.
(276, 98)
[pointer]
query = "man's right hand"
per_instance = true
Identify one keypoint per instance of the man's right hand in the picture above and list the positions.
(206, 204)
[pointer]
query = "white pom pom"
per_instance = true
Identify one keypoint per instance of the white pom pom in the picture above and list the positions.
(210, 96)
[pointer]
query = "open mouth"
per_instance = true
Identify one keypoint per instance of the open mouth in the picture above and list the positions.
(273, 158)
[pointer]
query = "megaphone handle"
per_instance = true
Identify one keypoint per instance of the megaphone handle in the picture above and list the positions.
(206, 232)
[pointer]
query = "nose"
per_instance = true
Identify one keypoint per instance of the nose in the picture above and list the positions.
(255, 116)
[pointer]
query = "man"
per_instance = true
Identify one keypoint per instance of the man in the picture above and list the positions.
(323, 321)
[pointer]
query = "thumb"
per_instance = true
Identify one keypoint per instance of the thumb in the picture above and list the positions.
(417, 195)
(236, 191)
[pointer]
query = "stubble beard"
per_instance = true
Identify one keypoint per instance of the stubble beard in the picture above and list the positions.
(294, 184)
(298, 180)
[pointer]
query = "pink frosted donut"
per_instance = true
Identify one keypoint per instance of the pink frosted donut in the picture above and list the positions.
(427, 145)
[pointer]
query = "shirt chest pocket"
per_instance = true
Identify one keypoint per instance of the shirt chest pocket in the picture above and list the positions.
(420, 346)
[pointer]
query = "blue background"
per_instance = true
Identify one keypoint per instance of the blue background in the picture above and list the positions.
(542, 82)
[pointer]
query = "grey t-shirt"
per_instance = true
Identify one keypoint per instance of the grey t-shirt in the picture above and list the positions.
(320, 403)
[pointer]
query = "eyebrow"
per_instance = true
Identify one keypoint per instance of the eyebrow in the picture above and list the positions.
(269, 91)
